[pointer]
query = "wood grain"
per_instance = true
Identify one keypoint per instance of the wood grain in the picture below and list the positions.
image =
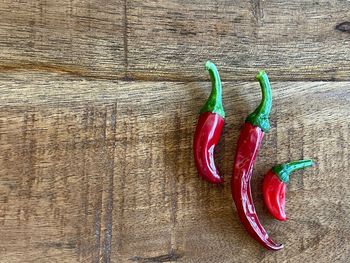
(102, 171)
(83, 38)
(170, 40)
(99, 102)
(293, 40)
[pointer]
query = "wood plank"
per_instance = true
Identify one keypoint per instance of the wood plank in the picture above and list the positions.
(103, 171)
(84, 38)
(293, 40)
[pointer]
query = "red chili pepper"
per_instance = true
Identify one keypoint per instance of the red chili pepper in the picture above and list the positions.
(248, 146)
(209, 128)
(274, 186)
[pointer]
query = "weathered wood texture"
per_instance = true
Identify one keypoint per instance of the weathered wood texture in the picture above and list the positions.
(98, 110)
(293, 40)
(103, 171)
(69, 36)
(170, 40)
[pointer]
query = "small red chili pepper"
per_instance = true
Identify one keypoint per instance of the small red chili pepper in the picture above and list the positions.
(274, 186)
(209, 128)
(248, 146)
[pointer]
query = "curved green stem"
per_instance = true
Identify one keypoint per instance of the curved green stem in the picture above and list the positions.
(284, 170)
(260, 117)
(214, 102)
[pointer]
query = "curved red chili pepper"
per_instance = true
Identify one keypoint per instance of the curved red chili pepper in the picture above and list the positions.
(209, 128)
(248, 146)
(274, 186)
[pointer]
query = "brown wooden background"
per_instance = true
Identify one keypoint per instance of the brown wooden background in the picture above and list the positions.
(99, 101)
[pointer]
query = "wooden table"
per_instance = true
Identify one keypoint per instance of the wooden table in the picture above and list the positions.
(99, 101)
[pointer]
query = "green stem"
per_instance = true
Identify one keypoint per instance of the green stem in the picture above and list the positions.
(214, 102)
(284, 170)
(260, 117)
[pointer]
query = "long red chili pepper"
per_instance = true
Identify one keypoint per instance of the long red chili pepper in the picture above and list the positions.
(209, 128)
(248, 146)
(274, 186)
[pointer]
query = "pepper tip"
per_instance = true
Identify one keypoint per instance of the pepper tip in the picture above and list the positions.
(209, 65)
(260, 74)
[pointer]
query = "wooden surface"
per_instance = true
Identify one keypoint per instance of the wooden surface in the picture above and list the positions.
(97, 116)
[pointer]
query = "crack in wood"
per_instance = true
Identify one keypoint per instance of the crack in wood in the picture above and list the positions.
(343, 27)
(43, 67)
(107, 244)
(172, 256)
(257, 10)
(125, 35)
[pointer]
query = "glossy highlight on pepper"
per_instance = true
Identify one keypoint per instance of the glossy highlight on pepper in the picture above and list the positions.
(209, 129)
(249, 142)
(275, 184)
